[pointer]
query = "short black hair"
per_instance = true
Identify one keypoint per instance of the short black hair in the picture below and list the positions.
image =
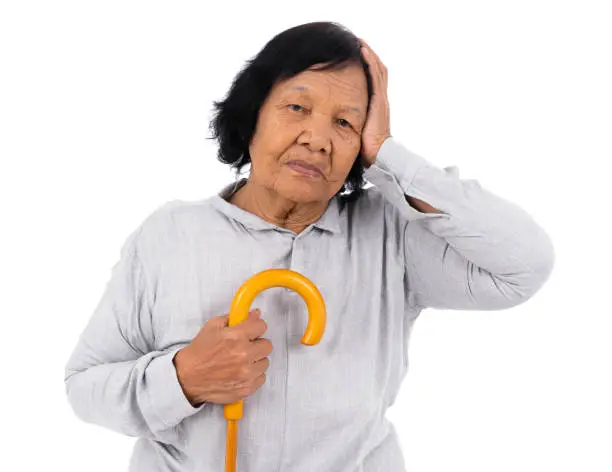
(284, 56)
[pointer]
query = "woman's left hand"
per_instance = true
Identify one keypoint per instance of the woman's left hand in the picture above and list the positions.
(377, 127)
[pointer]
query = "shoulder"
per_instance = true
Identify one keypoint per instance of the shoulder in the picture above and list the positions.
(171, 220)
(370, 207)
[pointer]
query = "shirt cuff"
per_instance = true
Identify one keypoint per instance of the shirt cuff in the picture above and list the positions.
(393, 172)
(166, 397)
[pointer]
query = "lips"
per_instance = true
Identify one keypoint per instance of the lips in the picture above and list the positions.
(305, 165)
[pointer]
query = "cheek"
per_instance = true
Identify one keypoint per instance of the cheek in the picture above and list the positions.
(349, 152)
(354, 143)
(268, 161)
(266, 150)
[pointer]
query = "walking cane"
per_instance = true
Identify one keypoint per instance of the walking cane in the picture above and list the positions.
(239, 312)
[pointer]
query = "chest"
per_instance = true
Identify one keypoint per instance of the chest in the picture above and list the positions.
(198, 276)
(360, 280)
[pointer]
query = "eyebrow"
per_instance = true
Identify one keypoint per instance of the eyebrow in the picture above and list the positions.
(301, 88)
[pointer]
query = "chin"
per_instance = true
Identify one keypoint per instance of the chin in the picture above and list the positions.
(303, 190)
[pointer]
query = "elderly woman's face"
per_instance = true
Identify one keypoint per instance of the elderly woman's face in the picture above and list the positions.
(315, 117)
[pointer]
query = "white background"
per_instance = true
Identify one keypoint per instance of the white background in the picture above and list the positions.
(104, 109)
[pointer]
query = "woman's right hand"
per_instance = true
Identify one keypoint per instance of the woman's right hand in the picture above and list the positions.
(224, 364)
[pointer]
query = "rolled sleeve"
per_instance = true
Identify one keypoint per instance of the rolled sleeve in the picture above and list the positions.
(166, 399)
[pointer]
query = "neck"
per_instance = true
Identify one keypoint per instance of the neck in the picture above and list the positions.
(276, 209)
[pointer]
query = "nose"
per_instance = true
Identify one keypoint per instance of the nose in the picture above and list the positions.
(317, 134)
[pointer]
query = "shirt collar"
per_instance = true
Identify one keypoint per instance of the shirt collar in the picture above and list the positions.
(329, 221)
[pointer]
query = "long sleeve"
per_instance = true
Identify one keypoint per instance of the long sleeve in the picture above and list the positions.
(113, 377)
(481, 253)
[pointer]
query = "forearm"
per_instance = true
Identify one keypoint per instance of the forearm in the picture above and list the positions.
(471, 249)
(139, 398)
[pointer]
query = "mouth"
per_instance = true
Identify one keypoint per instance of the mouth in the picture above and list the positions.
(305, 169)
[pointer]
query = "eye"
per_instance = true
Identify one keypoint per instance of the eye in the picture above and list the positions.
(342, 119)
(300, 107)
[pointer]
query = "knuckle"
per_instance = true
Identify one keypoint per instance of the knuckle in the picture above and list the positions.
(241, 355)
(230, 337)
(234, 385)
(244, 373)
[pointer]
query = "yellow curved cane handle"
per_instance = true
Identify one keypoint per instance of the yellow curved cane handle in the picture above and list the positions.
(243, 299)
(239, 312)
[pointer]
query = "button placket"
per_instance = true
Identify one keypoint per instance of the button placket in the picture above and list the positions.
(295, 323)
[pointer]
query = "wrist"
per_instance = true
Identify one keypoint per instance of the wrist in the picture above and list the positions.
(420, 205)
(183, 373)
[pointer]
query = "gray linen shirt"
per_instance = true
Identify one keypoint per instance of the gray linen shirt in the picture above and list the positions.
(377, 261)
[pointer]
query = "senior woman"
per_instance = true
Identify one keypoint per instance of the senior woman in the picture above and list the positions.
(157, 360)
